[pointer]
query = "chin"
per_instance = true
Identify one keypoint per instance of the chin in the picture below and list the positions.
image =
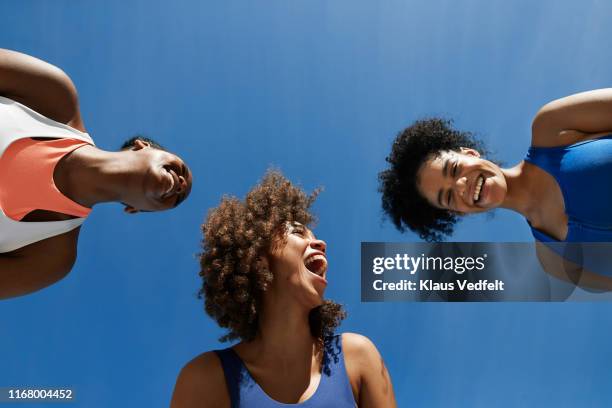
(315, 299)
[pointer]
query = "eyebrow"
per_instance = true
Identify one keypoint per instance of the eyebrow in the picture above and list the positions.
(300, 225)
(296, 224)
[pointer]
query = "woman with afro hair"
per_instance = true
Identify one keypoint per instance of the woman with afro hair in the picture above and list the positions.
(562, 187)
(264, 276)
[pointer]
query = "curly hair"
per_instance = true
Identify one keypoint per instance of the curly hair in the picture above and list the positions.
(401, 199)
(237, 237)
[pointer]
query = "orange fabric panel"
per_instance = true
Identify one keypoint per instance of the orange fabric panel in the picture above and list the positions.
(26, 178)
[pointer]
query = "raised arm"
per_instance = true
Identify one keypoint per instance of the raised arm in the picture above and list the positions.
(577, 117)
(367, 372)
(39, 85)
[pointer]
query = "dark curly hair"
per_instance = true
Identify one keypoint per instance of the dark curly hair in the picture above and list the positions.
(234, 270)
(401, 199)
(129, 143)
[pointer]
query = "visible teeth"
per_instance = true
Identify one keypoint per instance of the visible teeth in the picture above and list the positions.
(478, 188)
(316, 260)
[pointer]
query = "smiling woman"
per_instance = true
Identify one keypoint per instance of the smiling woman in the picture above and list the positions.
(264, 277)
(52, 174)
(437, 174)
(462, 182)
(402, 198)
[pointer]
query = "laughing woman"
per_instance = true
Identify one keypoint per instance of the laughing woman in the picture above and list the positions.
(52, 174)
(264, 275)
(562, 187)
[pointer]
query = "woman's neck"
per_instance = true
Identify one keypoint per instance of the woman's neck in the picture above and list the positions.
(284, 330)
(91, 176)
(523, 194)
(283, 338)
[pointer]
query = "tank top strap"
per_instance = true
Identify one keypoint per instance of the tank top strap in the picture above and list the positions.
(335, 384)
(549, 158)
(546, 158)
(234, 372)
(19, 121)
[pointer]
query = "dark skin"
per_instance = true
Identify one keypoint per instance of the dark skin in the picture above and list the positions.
(284, 358)
(142, 177)
(201, 382)
(449, 180)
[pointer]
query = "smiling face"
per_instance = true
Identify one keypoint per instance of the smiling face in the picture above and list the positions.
(161, 180)
(462, 182)
(300, 266)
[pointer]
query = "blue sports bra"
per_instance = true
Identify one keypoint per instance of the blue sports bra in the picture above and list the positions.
(334, 389)
(584, 173)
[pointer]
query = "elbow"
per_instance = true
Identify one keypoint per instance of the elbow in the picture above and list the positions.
(544, 119)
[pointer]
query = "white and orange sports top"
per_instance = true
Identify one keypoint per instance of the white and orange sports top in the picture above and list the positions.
(26, 174)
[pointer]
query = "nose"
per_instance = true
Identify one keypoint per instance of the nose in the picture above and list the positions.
(318, 244)
(461, 186)
(182, 184)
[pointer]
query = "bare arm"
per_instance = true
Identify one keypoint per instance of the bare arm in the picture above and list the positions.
(577, 117)
(41, 86)
(38, 265)
(367, 372)
(559, 267)
(201, 384)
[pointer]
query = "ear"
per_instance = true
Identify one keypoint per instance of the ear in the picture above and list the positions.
(469, 152)
(130, 210)
(140, 144)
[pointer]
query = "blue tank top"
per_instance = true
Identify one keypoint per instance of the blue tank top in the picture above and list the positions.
(334, 388)
(584, 173)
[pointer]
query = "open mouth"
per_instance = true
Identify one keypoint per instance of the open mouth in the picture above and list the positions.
(478, 189)
(316, 264)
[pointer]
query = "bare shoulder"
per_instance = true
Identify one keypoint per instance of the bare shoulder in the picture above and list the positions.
(368, 375)
(41, 86)
(201, 383)
(360, 355)
(357, 346)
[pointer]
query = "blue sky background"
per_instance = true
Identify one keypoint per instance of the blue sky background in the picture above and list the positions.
(319, 89)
